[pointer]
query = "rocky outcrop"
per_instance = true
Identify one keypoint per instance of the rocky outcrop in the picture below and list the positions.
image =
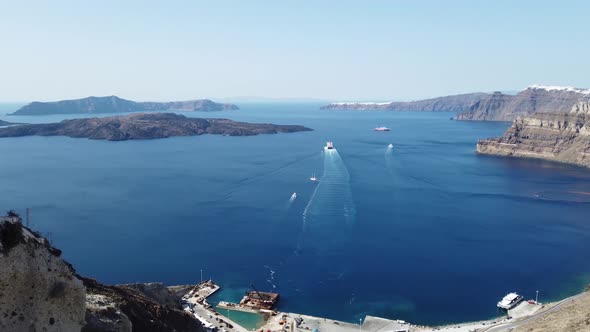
(39, 291)
(114, 104)
(532, 100)
(563, 137)
(146, 126)
(124, 308)
(158, 292)
(455, 103)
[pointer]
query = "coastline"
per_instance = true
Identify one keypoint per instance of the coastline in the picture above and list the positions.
(523, 313)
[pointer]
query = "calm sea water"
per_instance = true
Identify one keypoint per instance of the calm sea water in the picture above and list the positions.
(428, 232)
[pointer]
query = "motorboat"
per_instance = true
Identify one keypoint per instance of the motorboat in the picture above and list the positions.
(510, 301)
(293, 196)
(390, 146)
(329, 145)
(313, 178)
(382, 129)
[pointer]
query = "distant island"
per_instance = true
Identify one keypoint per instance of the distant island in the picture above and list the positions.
(146, 126)
(6, 123)
(552, 136)
(114, 104)
(496, 106)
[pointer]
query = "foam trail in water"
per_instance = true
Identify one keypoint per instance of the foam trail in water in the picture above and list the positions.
(330, 210)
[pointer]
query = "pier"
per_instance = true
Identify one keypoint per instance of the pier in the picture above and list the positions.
(195, 303)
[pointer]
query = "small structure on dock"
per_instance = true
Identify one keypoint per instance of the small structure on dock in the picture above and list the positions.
(259, 300)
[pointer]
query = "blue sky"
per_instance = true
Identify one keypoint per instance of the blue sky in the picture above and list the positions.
(338, 50)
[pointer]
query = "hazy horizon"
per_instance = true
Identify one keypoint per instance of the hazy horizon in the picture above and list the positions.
(328, 51)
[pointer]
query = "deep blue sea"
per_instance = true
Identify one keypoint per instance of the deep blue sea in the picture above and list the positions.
(428, 232)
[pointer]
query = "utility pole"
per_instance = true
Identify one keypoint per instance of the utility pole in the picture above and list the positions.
(360, 325)
(537, 298)
(201, 275)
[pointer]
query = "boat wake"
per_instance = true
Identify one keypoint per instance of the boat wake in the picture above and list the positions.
(330, 210)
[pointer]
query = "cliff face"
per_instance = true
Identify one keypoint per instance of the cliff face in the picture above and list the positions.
(145, 126)
(534, 99)
(455, 103)
(114, 104)
(41, 292)
(563, 137)
(126, 308)
(38, 290)
(490, 108)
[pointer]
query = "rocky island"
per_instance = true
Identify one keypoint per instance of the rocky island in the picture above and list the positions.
(114, 104)
(557, 136)
(6, 123)
(146, 126)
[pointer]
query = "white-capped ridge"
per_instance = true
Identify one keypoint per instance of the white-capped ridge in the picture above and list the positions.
(559, 88)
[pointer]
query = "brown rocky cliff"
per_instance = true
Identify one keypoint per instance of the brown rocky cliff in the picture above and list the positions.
(563, 137)
(534, 99)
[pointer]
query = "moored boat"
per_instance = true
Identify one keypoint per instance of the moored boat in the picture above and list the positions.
(381, 129)
(510, 301)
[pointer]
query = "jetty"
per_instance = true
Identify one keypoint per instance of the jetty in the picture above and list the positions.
(195, 303)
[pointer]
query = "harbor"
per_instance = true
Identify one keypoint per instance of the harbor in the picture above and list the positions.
(259, 307)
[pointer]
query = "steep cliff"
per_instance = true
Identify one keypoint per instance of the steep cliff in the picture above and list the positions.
(39, 291)
(454, 103)
(534, 99)
(114, 104)
(563, 137)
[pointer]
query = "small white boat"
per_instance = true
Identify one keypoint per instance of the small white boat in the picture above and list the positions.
(510, 301)
(293, 196)
(381, 129)
(329, 145)
(313, 178)
(390, 146)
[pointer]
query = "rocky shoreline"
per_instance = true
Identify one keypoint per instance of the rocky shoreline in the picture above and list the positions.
(551, 136)
(146, 126)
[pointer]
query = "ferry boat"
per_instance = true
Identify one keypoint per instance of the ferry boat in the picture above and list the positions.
(329, 145)
(510, 301)
(313, 178)
(381, 129)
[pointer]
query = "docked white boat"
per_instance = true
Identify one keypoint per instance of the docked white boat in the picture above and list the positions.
(329, 145)
(510, 301)
(381, 129)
